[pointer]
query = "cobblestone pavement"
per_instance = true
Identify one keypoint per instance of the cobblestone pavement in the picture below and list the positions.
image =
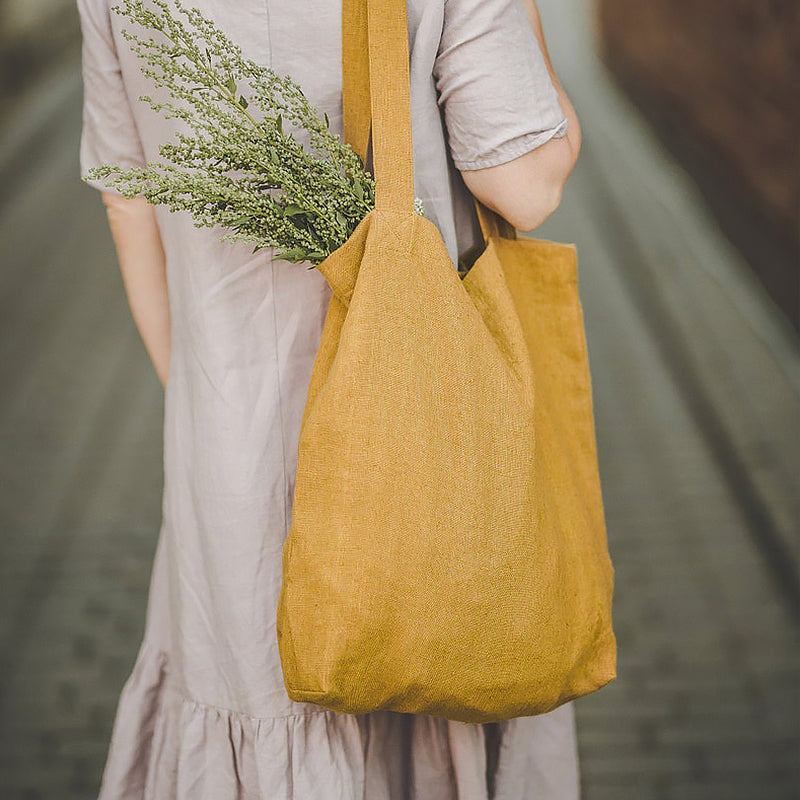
(697, 389)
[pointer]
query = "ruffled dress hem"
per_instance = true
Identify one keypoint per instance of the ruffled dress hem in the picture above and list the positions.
(167, 746)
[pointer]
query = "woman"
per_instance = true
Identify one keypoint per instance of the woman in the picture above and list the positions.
(204, 714)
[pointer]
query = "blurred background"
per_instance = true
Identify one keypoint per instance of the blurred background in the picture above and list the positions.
(684, 208)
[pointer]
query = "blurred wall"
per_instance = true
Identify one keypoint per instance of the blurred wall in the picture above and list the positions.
(720, 80)
(34, 35)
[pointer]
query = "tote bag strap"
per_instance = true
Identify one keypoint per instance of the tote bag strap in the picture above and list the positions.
(492, 224)
(376, 84)
(376, 90)
(355, 76)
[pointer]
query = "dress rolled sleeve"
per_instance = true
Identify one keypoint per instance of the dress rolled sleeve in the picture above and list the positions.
(493, 84)
(109, 134)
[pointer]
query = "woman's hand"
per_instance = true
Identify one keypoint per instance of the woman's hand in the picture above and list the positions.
(143, 265)
(527, 190)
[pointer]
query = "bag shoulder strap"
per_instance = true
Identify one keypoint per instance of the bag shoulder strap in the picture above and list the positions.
(376, 91)
(355, 76)
(376, 86)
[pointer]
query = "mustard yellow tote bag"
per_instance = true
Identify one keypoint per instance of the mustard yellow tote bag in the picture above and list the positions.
(447, 552)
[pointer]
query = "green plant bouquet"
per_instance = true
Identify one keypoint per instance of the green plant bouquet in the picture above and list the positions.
(242, 168)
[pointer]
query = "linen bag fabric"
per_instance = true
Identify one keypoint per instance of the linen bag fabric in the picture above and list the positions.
(447, 553)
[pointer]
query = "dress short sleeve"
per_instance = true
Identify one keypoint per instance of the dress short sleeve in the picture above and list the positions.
(109, 134)
(493, 85)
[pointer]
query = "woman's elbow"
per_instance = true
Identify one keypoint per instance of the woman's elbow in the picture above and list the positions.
(528, 189)
(545, 198)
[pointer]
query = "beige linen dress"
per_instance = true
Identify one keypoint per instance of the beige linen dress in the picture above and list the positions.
(204, 714)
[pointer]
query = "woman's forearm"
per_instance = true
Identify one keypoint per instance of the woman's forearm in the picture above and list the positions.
(143, 266)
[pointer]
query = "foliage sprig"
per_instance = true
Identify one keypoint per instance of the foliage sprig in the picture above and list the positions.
(240, 166)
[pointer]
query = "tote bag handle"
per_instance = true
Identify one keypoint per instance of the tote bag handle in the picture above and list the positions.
(376, 84)
(376, 90)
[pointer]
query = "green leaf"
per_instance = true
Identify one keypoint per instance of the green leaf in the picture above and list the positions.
(293, 254)
(243, 101)
(340, 218)
(358, 189)
(230, 85)
(279, 124)
(327, 121)
(292, 210)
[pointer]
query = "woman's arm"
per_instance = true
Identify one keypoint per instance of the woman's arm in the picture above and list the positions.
(527, 190)
(143, 265)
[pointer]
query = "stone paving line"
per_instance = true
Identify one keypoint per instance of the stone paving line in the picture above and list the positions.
(705, 705)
